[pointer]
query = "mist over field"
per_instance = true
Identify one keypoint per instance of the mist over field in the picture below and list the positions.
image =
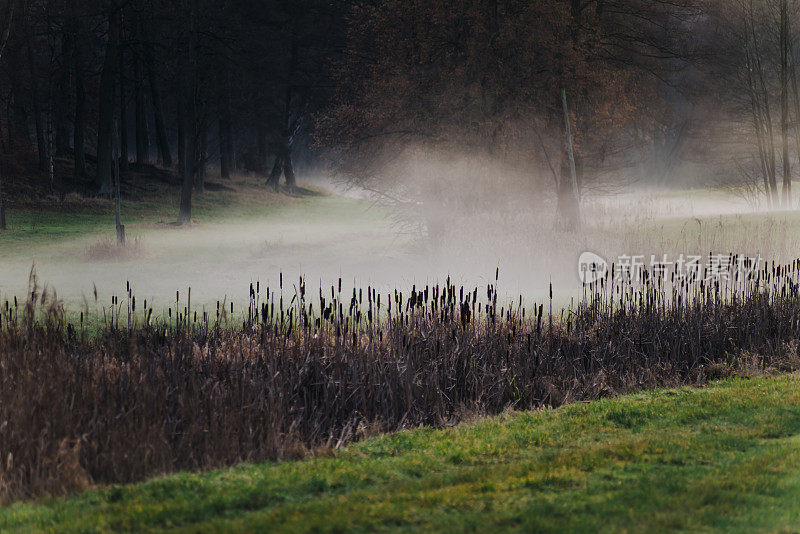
(350, 236)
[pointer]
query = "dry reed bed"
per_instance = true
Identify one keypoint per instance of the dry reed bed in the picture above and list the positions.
(300, 373)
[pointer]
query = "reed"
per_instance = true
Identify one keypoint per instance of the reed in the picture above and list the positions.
(295, 373)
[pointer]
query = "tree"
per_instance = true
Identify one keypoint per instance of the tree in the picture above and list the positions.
(78, 65)
(162, 141)
(142, 131)
(750, 69)
(105, 126)
(474, 79)
(227, 158)
(784, 82)
(38, 119)
(62, 106)
(189, 112)
(124, 159)
(384, 86)
(5, 32)
(307, 38)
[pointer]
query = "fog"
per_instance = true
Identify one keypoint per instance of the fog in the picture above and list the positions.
(357, 235)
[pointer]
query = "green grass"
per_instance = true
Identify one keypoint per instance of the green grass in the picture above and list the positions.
(725, 458)
(32, 231)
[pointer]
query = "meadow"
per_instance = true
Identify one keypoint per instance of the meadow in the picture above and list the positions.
(242, 234)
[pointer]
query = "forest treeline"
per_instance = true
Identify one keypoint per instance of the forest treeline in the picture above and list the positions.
(179, 84)
(571, 93)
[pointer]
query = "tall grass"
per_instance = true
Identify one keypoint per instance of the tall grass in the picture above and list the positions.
(296, 372)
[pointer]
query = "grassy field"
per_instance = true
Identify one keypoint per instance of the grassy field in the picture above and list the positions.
(243, 200)
(725, 458)
(240, 235)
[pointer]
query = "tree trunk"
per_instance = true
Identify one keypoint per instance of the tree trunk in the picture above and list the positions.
(261, 147)
(572, 216)
(105, 126)
(189, 151)
(79, 126)
(225, 128)
(796, 101)
(20, 133)
(181, 112)
(162, 140)
(766, 113)
(7, 145)
(274, 178)
(6, 32)
(61, 110)
(567, 207)
(2, 205)
(2, 208)
(290, 129)
(784, 44)
(118, 203)
(38, 120)
(148, 35)
(200, 176)
(18, 118)
(142, 135)
(288, 172)
(760, 128)
(124, 157)
(189, 84)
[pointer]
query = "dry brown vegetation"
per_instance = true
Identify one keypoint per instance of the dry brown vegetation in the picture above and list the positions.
(299, 373)
(110, 250)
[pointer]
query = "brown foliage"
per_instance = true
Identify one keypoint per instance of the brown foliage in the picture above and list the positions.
(109, 250)
(487, 76)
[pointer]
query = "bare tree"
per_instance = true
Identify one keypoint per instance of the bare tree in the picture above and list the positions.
(764, 71)
(124, 162)
(225, 121)
(38, 119)
(78, 67)
(8, 12)
(105, 127)
(142, 130)
(784, 81)
(188, 120)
